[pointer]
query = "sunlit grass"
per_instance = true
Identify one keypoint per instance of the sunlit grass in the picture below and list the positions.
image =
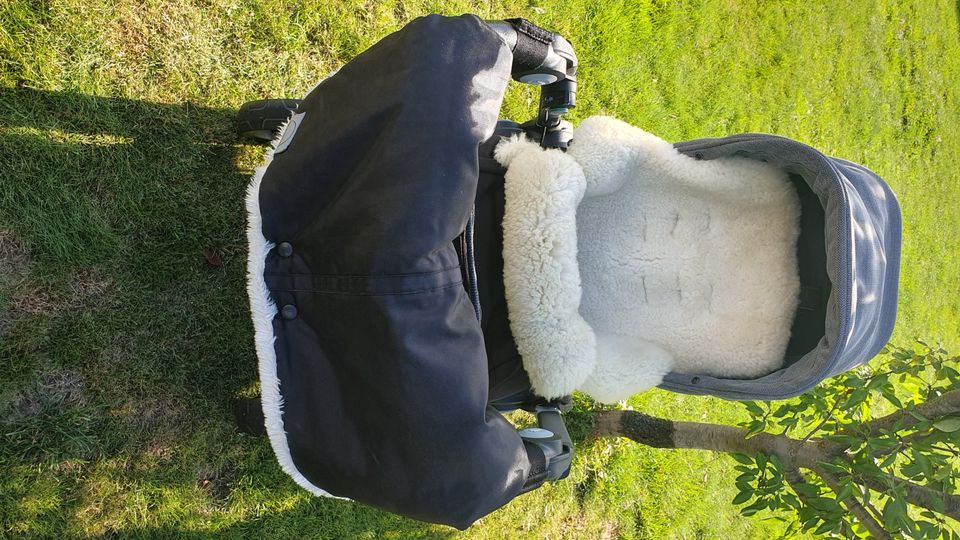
(120, 168)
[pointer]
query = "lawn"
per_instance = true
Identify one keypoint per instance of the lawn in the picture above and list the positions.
(124, 330)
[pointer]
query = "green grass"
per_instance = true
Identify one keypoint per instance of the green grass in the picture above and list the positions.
(122, 347)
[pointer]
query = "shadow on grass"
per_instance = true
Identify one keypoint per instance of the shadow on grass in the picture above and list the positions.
(131, 222)
(131, 214)
(302, 522)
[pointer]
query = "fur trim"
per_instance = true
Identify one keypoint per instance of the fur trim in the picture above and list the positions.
(599, 149)
(626, 365)
(541, 277)
(263, 311)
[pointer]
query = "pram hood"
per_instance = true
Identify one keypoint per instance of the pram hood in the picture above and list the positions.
(862, 238)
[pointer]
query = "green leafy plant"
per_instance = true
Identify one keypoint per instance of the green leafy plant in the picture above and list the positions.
(871, 453)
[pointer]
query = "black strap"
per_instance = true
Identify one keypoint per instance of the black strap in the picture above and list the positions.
(533, 45)
(473, 286)
(466, 253)
(538, 467)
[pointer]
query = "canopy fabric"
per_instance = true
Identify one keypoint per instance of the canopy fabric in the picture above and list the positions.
(861, 238)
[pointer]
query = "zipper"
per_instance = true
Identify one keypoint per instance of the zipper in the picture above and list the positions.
(473, 288)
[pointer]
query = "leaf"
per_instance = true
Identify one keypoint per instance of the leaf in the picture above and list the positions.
(742, 458)
(926, 466)
(894, 512)
(808, 516)
(791, 500)
(757, 505)
(212, 256)
(866, 468)
(775, 461)
(889, 460)
(761, 461)
(825, 527)
(858, 397)
(948, 425)
(742, 497)
(834, 468)
(782, 411)
(755, 427)
(937, 503)
(807, 490)
(943, 473)
(753, 408)
(890, 396)
(928, 529)
(775, 484)
(883, 443)
(878, 381)
(951, 373)
(845, 492)
(911, 470)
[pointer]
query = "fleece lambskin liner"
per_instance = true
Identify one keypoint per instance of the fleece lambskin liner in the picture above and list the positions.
(625, 259)
(847, 256)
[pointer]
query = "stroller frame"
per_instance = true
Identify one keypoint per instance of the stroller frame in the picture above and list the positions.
(371, 289)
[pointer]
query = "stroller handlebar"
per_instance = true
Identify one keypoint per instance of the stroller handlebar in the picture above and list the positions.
(549, 418)
(546, 59)
(540, 57)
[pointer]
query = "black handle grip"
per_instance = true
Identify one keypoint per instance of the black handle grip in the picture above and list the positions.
(540, 57)
(533, 45)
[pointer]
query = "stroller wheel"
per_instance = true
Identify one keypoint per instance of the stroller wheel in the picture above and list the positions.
(260, 120)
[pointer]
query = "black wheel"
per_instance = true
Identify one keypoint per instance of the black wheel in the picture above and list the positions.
(260, 120)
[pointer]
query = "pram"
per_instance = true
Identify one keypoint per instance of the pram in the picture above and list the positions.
(401, 301)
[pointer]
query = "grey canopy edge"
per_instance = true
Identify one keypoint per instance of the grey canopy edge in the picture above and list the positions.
(849, 193)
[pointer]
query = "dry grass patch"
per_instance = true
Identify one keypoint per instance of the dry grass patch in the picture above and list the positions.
(14, 267)
(14, 257)
(57, 387)
(86, 289)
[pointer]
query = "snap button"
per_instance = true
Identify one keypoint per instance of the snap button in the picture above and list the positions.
(284, 249)
(288, 312)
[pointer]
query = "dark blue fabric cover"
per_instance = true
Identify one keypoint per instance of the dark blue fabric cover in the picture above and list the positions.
(382, 370)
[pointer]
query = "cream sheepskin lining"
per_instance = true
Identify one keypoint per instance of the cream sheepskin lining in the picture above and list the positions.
(686, 265)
